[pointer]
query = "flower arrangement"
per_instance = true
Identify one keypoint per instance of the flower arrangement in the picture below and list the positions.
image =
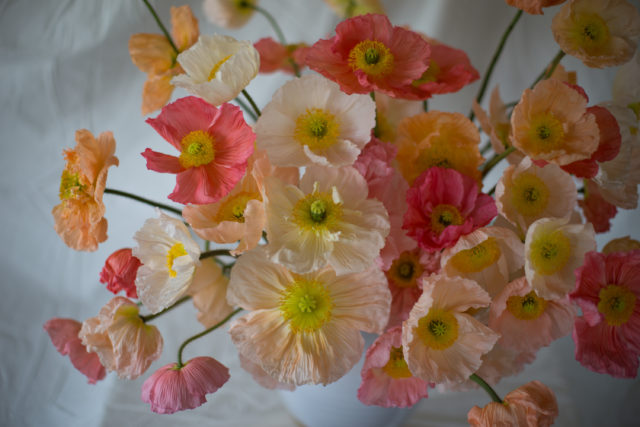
(346, 205)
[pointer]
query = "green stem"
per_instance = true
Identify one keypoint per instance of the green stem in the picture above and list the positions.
(207, 245)
(203, 333)
(494, 60)
(425, 105)
(490, 391)
(493, 190)
(161, 25)
(496, 159)
(143, 200)
(246, 108)
(253, 104)
(215, 252)
(272, 21)
(485, 148)
(549, 69)
(171, 307)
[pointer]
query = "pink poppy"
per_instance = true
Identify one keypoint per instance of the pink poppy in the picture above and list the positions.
(173, 388)
(444, 205)
(533, 7)
(449, 71)
(214, 145)
(64, 336)
(608, 147)
(386, 379)
(596, 209)
(119, 272)
(607, 336)
(368, 53)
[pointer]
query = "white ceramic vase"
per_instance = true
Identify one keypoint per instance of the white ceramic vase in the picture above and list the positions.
(337, 404)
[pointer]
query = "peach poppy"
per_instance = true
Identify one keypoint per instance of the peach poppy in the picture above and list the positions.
(368, 53)
(488, 255)
(229, 13)
(551, 123)
(553, 249)
(621, 244)
(527, 192)
(386, 379)
(79, 218)
(154, 55)
(175, 388)
(328, 219)
(214, 145)
(277, 57)
(119, 272)
(123, 342)
(64, 336)
(601, 33)
(261, 377)
(527, 322)
(442, 343)
(390, 112)
(530, 405)
(208, 291)
(304, 328)
(310, 121)
(436, 138)
(533, 7)
(349, 9)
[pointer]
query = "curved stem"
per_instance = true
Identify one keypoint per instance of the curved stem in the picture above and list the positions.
(271, 20)
(203, 333)
(161, 25)
(215, 252)
(496, 159)
(253, 104)
(143, 200)
(171, 307)
(549, 69)
(482, 383)
(247, 109)
(494, 60)
(425, 105)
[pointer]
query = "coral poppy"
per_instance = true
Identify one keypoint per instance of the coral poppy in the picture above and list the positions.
(277, 57)
(119, 272)
(444, 205)
(533, 7)
(214, 145)
(368, 53)
(175, 388)
(79, 218)
(596, 209)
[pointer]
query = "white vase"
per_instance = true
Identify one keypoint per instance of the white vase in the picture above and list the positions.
(337, 404)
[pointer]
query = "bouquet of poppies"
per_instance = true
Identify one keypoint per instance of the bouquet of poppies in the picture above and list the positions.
(345, 205)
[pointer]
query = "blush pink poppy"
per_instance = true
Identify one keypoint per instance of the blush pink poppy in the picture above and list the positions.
(386, 379)
(596, 209)
(214, 145)
(172, 388)
(368, 53)
(443, 205)
(64, 336)
(119, 272)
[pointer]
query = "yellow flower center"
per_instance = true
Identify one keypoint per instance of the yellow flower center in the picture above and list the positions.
(546, 134)
(590, 32)
(405, 270)
(316, 128)
(176, 251)
(528, 307)
(197, 149)
(214, 70)
(372, 57)
(317, 212)
(306, 305)
(443, 216)
(438, 329)
(550, 252)
(635, 107)
(397, 367)
(233, 208)
(431, 75)
(70, 185)
(477, 258)
(616, 304)
(529, 195)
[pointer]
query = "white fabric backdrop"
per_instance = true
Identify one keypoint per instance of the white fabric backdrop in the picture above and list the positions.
(65, 66)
